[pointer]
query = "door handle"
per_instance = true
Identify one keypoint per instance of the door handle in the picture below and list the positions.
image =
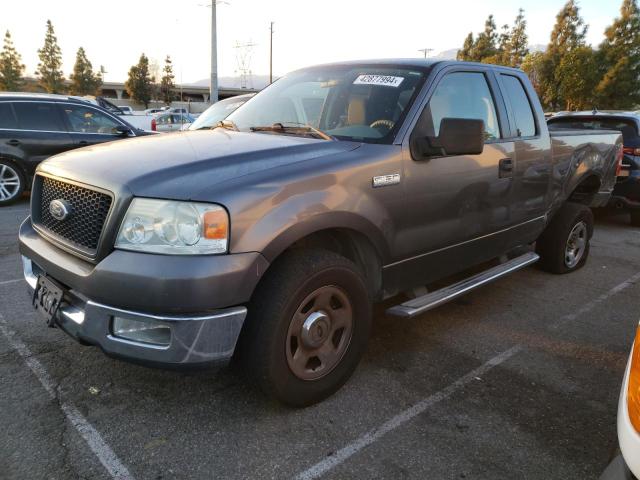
(505, 167)
(83, 143)
(13, 143)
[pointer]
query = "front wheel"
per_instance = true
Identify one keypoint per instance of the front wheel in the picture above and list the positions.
(308, 326)
(564, 244)
(12, 182)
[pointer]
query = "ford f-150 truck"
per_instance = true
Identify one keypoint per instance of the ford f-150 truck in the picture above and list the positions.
(268, 238)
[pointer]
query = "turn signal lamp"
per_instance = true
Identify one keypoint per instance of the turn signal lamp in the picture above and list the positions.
(633, 391)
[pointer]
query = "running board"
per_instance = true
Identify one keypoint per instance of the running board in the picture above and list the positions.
(432, 300)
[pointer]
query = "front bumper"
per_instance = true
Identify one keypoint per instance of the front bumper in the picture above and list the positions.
(195, 340)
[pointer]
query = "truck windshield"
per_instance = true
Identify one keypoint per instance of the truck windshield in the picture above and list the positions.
(365, 104)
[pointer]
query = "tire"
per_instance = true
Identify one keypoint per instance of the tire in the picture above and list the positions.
(273, 344)
(12, 182)
(570, 230)
(635, 218)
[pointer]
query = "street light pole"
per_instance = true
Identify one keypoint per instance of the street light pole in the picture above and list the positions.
(271, 54)
(213, 81)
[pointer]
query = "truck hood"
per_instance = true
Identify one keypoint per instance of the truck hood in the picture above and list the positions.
(179, 165)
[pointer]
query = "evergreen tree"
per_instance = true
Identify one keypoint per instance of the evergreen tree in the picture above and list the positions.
(83, 80)
(167, 83)
(485, 45)
(619, 55)
(578, 77)
(50, 66)
(465, 54)
(516, 49)
(11, 68)
(139, 85)
(568, 34)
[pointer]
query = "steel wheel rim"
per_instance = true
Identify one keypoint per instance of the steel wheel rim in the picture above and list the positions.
(9, 182)
(576, 245)
(319, 333)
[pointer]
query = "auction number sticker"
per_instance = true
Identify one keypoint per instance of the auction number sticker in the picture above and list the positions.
(384, 80)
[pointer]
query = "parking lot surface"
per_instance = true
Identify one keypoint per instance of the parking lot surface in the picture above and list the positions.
(519, 379)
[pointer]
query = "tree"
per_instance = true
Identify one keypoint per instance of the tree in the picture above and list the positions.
(516, 49)
(50, 66)
(83, 80)
(465, 54)
(485, 45)
(619, 54)
(139, 85)
(578, 77)
(167, 83)
(11, 67)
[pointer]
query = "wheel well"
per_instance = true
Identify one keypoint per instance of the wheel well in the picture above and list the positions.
(352, 245)
(585, 190)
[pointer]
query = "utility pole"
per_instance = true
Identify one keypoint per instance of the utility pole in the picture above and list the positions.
(271, 54)
(213, 81)
(426, 51)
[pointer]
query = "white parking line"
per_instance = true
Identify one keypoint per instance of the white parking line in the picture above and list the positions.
(96, 443)
(370, 437)
(7, 282)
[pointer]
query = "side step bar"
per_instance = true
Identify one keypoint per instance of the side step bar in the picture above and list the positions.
(432, 300)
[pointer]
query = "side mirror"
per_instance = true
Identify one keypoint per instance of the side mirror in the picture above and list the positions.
(458, 136)
(122, 130)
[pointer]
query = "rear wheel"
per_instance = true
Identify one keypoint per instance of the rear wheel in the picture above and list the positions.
(12, 182)
(635, 218)
(308, 326)
(564, 245)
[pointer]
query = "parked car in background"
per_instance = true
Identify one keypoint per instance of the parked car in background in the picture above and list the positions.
(219, 111)
(626, 465)
(35, 126)
(170, 122)
(126, 109)
(626, 195)
(337, 186)
(153, 111)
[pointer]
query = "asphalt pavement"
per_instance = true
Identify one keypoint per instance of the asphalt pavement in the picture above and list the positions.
(519, 379)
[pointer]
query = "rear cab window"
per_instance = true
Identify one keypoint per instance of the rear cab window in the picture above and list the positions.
(37, 116)
(517, 97)
(627, 127)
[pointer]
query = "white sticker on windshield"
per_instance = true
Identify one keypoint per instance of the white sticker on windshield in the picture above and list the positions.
(385, 80)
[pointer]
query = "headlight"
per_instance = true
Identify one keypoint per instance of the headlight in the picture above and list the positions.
(166, 226)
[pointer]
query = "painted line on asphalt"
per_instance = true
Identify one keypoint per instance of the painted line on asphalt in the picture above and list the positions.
(96, 443)
(403, 417)
(7, 282)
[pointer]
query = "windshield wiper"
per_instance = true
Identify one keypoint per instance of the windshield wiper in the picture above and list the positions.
(296, 129)
(227, 125)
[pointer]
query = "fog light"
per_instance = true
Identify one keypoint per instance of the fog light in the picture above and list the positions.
(148, 331)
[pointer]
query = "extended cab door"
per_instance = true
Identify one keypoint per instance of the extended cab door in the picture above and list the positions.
(532, 168)
(88, 125)
(458, 207)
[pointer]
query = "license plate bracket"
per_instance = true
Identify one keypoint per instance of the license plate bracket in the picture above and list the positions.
(47, 298)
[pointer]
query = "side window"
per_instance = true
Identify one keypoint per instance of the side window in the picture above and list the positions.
(520, 105)
(83, 119)
(38, 116)
(7, 119)
(462, 95)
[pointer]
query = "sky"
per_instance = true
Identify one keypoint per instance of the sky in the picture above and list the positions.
(115, 32)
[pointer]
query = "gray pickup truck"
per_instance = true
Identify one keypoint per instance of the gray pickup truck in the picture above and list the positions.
(268, 239)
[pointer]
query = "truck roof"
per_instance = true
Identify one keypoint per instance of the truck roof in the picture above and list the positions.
(420, 63)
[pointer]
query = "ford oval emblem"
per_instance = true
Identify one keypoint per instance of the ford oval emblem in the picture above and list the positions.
(59, 209)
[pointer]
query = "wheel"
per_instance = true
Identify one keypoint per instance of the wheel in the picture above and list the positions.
(564, 244)
(307, 327)
(12, 182)
(635, 217)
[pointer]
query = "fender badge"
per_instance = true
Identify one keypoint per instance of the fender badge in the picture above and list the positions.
(386, 180)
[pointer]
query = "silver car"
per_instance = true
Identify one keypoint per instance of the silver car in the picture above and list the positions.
(171, 122)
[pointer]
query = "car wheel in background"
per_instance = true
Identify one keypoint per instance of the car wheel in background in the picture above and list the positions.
(564, 244)
(308, 326)
(12, 182)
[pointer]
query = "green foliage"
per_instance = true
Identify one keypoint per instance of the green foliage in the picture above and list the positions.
(509, 47)
(167, 83)
(619, 54)
(11, 67)
(577, 76)
(139, 85)
(83, 80)
(50, 66)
